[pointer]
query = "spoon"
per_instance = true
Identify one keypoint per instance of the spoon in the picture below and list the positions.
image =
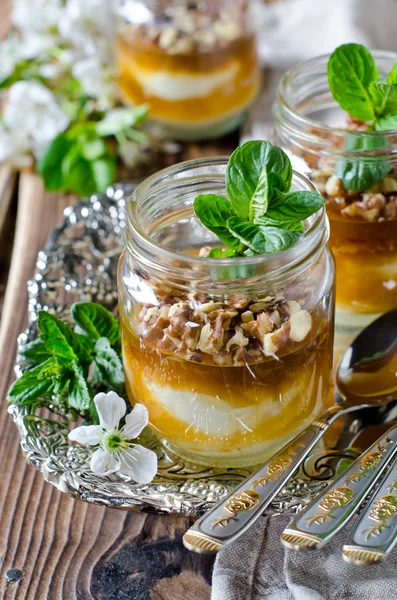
(370, 353)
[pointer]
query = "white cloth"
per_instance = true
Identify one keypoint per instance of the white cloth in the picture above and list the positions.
(258, 567)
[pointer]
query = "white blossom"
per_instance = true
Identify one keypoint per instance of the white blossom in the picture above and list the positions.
(15, 147)
(34, 109)
(10, 55)
(89, 26)
(96, 80)
(116, 452)
(37, 16)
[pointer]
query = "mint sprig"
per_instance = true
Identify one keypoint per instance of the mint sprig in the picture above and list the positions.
(260, 215)
(356, 85)
(83, 158)
(71, 362)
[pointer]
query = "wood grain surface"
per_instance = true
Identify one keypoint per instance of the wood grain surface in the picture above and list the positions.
(51, 546)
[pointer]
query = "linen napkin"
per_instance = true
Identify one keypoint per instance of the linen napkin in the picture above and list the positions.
(258, 567)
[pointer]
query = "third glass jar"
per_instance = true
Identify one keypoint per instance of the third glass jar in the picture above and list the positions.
(356, 171)
(194, 63)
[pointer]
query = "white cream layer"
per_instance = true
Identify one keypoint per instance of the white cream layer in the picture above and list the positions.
(180, 86)
(213, 416)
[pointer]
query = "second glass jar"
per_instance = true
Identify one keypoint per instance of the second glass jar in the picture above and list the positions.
(356, 171)
(232, 357)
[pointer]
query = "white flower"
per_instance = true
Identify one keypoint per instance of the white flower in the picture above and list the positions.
(39, 16)
(15, 147)
(89, 26)
(96, 80)
(10, 55)
(33, 108)
(116, 452)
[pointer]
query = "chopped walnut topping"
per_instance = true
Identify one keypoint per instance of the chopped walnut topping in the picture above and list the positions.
(301, 323)
(334, 186)
(376, 204)
(277, 340)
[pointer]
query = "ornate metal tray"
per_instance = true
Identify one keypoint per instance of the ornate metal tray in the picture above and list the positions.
(79, 262)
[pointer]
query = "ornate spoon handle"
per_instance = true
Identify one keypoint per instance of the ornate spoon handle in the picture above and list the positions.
(235, 513)
(375, 533)
(333, 507)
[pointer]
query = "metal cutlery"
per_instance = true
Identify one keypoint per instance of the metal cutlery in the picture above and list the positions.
(317, 524)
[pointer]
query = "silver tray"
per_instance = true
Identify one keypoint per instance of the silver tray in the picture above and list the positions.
(79, 262)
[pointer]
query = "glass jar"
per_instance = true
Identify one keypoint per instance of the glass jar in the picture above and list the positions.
(232, 357)
(356, 171)
(195, 63)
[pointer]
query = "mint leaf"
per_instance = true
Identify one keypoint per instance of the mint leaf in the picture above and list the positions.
(351, 70)
(103, 172)
(108, 363)
(78, 393)
(60, 339)
(32, 385)
(361, 173)
(213, 211)
(392, 76)
(35, 352)
(386, 123)
(121, 119)
(50, 165)
(91, 149)
(256, 173)
(293, 207)
(384, 97)
(96, 321)
(261, 238)
(247, 233)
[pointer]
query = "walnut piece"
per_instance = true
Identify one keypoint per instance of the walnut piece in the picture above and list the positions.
(301, 323)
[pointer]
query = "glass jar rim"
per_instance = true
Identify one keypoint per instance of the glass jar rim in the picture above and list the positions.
(305, 121)
(315, 235)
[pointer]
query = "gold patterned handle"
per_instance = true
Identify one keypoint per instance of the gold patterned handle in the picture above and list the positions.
(233, 515)
(375, 533)
(331, 510)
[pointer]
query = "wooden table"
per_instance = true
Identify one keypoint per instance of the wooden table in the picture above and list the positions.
(51, 546)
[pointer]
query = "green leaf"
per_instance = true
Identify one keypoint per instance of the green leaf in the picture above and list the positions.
(35, 352)
(262, 239)
(351, 70)
(32, 385)
(293, 207)
(96, 321)
(384, 97)
(60, 339)
(103, 172)
(386, 123)
(121, 119)
(78, 394)
(256, 173)
(108, 363)
(247, 233)
(216, 253)
(50, 165)
(92, 149)
(392, 76)
(213, 211)
(362, 172)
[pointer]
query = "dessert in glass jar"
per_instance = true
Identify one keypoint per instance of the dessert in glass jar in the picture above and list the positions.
(232, 356)
(354, 165)
(194, 63)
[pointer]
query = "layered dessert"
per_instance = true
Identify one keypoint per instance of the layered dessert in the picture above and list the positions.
(194, 63)
(227, 380)
(364, 242)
